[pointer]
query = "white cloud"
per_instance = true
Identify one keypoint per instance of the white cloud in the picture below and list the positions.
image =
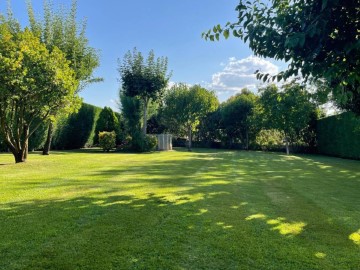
(239, 74)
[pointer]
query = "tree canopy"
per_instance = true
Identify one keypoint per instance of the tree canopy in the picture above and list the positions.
(236, 113)
(60, 29)
(319, 40)
(35, 84)
(145, 79)
(184, 107)
(288, 110)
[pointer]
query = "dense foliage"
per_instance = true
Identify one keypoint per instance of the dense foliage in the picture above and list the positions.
(35, 85)
(236, 115)
(265, 121)
(77, 130)
(61, 30)
(143, 143)
(107, 140)
(288, 110)
(108, 121)
(319, 39)
(269, 139)
(339, 135)
(185, 106)
(145, 79)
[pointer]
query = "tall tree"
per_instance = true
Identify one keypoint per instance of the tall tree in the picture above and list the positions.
(184, 107)
(35, 85)
(236, 116)
(131, 111)
(289, 110)
(145, 79)
(60, 29)
(210, 128)
(319, 39)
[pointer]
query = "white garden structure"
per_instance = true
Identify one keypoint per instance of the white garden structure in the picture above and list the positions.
(164, 142)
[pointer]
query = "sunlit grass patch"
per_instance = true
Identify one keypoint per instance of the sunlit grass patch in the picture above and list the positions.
(204, 209)
(355, 237)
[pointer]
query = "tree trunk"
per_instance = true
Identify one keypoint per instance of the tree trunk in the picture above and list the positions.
(287, 146)
(190, 139)
(47, 145)
(146, 101)
(20, 152)
(26, 149)
(20, 156)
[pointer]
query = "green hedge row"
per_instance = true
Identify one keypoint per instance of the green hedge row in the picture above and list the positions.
(71, 132)
(339, 136)
(77, 130)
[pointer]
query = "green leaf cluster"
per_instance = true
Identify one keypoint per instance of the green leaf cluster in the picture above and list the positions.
(35, 85)
(339, 135)
(143, 79)
(76, 130)
(108, 121)
(236, 115)
(318, 39)
(59, 28)
(184, 106)
(107, 140)
(288, 110)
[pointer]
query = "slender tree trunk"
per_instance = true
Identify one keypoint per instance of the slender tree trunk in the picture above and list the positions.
(47, 145)
(146, 101)
(287, 146)
(26, 150)
(190, 139)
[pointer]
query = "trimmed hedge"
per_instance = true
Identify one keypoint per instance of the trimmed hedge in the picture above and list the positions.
(77, 130)
(339, 136)
(72, 132)
(108, 121)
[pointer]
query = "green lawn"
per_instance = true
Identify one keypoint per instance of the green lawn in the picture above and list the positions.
(179, 210)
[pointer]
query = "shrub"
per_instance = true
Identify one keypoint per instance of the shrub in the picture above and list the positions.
(107, 140)
(141, 143)
(108, 121)
(150, 143)
(269, 139)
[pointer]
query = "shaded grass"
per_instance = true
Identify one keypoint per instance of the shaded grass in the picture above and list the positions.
(205, 209)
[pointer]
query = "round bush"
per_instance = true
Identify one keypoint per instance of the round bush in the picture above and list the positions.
(107, 140)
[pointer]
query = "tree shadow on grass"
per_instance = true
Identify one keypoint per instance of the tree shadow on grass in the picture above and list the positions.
(222, 210)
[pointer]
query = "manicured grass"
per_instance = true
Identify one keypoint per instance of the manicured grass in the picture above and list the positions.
(205, 209)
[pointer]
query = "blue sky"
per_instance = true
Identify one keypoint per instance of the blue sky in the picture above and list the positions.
(172, 28)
